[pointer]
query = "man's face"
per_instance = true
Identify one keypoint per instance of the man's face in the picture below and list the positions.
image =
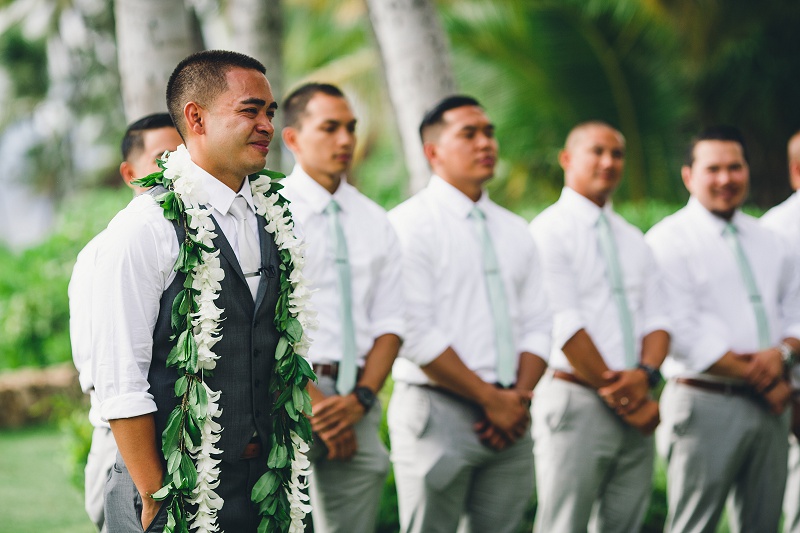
(237, 127)
(719, 176)
(466, 149)
(325, 138)
(143, 162)
(593, 161)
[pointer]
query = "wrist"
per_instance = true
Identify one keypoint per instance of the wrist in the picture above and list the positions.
(365, 397)
(652, 374)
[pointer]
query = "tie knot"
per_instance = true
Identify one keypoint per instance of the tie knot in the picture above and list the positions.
(333, 207)
(730, 228)
(477, 213)
(239, 208)
(602, 219)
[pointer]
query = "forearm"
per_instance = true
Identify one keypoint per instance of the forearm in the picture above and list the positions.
(655, 346)
(379, 362)
(730, 365)
(585, 358)
(531, 368)
(136, 440)
(450, 372)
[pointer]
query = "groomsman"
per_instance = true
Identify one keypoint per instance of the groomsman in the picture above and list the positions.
(594, 418)
(144, 141)
(785, 220)
(734, 294)
(353, 260)
(478, 336)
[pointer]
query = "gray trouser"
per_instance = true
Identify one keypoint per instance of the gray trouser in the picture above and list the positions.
(98, 466)
(123, 504)
(791, 501)
(346, 495)
(445, 475)
(717, 447)
(592, 470)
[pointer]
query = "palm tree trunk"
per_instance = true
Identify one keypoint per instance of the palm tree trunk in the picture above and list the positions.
(416, 62)
(152, 37)
(257, 30)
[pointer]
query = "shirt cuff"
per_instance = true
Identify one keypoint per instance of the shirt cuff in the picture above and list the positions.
(793, 330)
(426, 348)
(538, 344)
(393, 326)
(127, 406)
(657, 323)
(704, 353)
(565, 325)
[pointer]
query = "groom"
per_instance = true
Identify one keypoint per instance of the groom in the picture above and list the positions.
(222, 105)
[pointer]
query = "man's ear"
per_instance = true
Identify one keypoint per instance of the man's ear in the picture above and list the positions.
(128, 175)
(794, 175)
(431, 152)
(289, 136)
(195, 118)
(686, 175)
(564, 158)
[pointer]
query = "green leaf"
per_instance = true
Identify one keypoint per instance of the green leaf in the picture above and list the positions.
(283, 348)
(266, 485)
(174, 461)
(282, 398)
(170, 438)
(177, 320)
(199, 402)
(290, 410)
(293, 330)
(190, 354)
(186, 474)
(162, 493)
(273, 175)
(192, 429)
(304, 369)
(181, 384)
(177, 355)
(298, 398)
(278, 457)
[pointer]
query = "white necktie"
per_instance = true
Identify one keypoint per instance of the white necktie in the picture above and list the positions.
(249, 251)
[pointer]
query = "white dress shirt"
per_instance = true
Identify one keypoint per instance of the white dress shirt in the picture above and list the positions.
(135, 266)
(80, 323)
(579, 288)
(375, 266)
(784, 219)
(709, 301)
(447, 301)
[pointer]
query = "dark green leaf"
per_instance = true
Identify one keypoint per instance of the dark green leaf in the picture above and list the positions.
(181, 384)
(293, 330)
(170, 438)
(277, 457)
(162, 493)
(283, 348)
(174, 461)
(265, 486)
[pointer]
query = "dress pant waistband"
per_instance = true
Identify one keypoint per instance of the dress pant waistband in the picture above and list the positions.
(332, 370)
(572, 378)
(717, 386)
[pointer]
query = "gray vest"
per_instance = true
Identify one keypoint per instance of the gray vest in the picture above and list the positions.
(246, 350)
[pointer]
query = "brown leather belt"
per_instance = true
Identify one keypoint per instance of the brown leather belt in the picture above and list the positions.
(332, 370)
(251, 451)
(717, 386)
(572, 378)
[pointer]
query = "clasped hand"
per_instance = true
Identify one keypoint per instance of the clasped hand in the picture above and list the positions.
(765, 373)
(506, 418)
(333, 420)
(627, 393)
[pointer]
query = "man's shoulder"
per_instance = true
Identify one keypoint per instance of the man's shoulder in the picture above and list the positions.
(509, 219)
(553, 219)
(671, 225)
(786, 213)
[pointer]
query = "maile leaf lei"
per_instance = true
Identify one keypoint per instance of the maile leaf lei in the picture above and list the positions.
(189, 440)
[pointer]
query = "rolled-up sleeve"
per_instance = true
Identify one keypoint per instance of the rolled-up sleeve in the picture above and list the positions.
(133, 266)
(387, 309)
(656, 311)
(535, 322)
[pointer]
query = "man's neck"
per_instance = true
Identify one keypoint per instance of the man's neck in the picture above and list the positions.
(471, 190)
(330, 182)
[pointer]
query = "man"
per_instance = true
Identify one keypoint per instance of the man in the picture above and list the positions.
(354, 260)
(736, 315)
(594, 419)
(223, 107)
(144, 141)
(478, 333)
(783, 219)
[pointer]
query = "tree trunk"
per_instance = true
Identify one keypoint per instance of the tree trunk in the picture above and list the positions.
(153, 36)
(416, 63)
(257, 30)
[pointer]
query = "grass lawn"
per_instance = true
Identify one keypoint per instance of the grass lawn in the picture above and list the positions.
(35, 491)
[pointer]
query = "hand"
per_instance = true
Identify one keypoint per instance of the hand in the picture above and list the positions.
(778, 397)
(490, 436)
(627, 390)
(150, 508)
(645, 418)
(335, 414)
(342, 446)
(508, 412)
(765, 367)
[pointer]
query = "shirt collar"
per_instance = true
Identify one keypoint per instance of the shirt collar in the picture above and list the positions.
(220, 196)
(318, 196)
(454, 200)
(584, 209)
(717, 224)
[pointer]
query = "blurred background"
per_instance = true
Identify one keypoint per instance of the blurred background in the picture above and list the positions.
(73, 73)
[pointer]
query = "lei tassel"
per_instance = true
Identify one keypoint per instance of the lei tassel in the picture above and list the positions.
(192, 432)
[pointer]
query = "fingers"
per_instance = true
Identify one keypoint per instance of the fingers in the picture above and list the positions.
(491, 436)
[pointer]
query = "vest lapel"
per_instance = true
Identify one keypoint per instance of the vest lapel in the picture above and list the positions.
(268, 259)
(227, 252)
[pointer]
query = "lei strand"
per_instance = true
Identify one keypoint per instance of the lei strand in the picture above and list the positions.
(189, 440)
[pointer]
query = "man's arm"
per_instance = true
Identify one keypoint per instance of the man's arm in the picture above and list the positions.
(136, 440)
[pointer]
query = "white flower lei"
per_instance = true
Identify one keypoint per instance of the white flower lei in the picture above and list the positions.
(206, 332)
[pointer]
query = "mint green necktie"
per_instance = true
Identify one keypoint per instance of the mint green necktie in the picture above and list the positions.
(346, 377)
(609, 249)
(503, 337)
(732, 238)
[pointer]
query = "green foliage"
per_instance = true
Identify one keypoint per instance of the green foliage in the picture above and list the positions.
(34, 312)
(26, 61)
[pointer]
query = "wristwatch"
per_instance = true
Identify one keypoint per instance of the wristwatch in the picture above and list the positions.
(365, 397)
(788, 355)
(653, 374)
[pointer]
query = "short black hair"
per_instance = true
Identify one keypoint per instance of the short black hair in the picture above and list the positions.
(295, 104)
(201, 78)
(435, 115)
(133, 140)
(715, 133)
